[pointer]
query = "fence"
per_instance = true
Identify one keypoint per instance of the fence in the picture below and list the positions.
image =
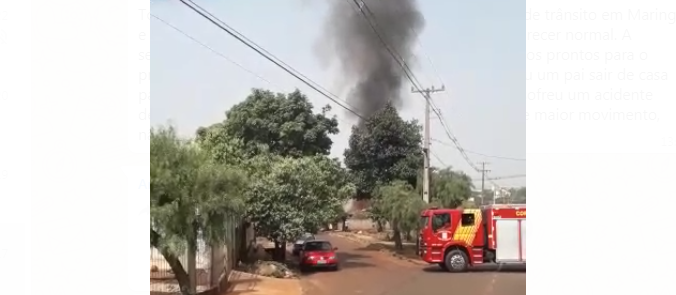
(212, 263)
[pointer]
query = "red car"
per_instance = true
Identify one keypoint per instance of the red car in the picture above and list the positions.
(318, 254)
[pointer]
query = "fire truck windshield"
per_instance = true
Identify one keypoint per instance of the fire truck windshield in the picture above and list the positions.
(424, 221)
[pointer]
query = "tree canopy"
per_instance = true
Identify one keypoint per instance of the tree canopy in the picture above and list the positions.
(221, 147)
(449, 189)
(285, 123)
(383, 149)
(190, 195)
(281, 144)
(518, 195)
(510, 196)
(400, 205)
(296, 195)
(268, 160)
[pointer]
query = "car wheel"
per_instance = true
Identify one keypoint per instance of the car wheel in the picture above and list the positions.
(456, 261)
(335, 268)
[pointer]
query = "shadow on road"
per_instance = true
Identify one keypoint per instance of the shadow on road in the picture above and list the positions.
(351, 260)
(483, 268)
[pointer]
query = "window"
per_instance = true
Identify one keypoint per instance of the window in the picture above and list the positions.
(318, 246)
(423, 221)
(467, 219)
(441, 220)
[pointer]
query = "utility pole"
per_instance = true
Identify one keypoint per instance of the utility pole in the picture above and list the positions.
(426, 142)
(483, 178)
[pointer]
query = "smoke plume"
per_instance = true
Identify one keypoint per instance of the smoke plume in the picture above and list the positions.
(373, 76)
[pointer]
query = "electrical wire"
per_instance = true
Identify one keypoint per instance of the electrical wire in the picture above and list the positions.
(214, 51)
(438, 76)
(481, 154)
(502, 177)
(223, 56)
(438, 159)
(366, 12)
(363, 8)
(234, 62)
(497, 157)
(267, 55)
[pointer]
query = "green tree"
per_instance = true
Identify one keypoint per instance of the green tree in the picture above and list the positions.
(191, 196)
(400, 205)
(383, 149)
(518, 195)
(295, 195)
(484, 198)
(284, 123)
(221, 147)
(450, 189)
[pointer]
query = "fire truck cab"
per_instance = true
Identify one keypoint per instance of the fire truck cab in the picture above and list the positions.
(456, 239)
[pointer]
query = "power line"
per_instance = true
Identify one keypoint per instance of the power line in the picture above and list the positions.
(438, 75)
(221, 54)
(307, 81)
(481, 154)
(227, 58)
(502, 177)
(364, 9)
(439, 159)
(264, 53)
(213, 50)
(429, 59)
(278, 62)
(498, 157)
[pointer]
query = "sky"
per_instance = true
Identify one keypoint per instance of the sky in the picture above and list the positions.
(475, 48)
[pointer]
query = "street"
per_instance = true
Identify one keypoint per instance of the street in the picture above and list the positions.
(376, 273)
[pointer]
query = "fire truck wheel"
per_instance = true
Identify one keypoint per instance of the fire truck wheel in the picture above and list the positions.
(456, 261)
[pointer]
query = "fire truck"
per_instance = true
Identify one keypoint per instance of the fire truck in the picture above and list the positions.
(456, 239)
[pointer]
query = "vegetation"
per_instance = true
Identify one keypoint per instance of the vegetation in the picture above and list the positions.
(400, 205)
(268, 161)
(284, 123)
(190, 196)
(450, 189)
(512, 196)
(383, 149)
(517, 196)
(296, 196)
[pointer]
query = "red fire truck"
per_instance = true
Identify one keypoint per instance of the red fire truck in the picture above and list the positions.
(458, 238)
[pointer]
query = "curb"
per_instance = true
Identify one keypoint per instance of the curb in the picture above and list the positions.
(355, 238)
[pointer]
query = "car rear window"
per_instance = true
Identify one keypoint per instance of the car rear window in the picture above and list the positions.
(318, 246)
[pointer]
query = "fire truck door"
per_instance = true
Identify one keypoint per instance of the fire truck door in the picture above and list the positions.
(441, 224)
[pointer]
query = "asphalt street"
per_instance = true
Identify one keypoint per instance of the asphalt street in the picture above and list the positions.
(375, 273)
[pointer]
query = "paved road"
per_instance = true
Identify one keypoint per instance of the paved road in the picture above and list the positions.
(374, 273)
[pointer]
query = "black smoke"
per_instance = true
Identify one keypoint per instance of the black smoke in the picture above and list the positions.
(374, 77)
